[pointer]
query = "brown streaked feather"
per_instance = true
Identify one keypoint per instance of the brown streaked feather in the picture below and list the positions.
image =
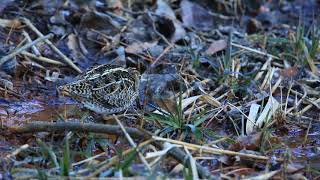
(105, 88)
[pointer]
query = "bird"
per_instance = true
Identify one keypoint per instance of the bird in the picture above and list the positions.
(104, 89)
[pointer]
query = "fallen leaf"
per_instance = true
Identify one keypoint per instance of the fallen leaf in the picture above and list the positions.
(168, 20)
(116, 5)
(14, 23)
(251, 142)
(211, 100)
(167, 104)
(216, 46)
(139, 47)
(194, 15)
(186, 102)
(289, 72)
(73, 45)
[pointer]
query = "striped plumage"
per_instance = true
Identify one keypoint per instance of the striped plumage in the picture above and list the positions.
(105, 89)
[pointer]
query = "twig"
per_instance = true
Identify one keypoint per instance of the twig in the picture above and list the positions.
(176, 153)
(89, 159)
(17, 151)
(276, 85)
(254, 50)
(132, 143)
(115, 159)
(10, 92)
(110, 20)
(157, 32)
(132, 12)
(194, 170)
(221, 16)
(263, 68)
(41, 58)
(24, 47)
(287, 97)
(305, 109)
(307, 133)
(212, 150)
(75, 126)
(182, 157)
(34, 48)
(303, 96)
(163, 53)
(52, 46)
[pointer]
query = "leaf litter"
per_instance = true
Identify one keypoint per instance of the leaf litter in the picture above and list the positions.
(228, 89)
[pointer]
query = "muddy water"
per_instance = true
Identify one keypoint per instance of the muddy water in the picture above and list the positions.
(301, 146)
(17, 112)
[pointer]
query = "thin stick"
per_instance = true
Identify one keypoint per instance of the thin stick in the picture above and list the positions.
(34, 48)
(305, 109)
(254, 50)
(277, 84)
(307, 133)
(193, 166)
(52, 46)
(24, 47)
(115, 159)
(287, 98)
(41, 58)
(303, 96)
(157, 32)
(212, 150)
(264, 67)
(17, 151)
(88, 159)
(10, 92)
(163, 53)
(132, 143)
(100, 128)
(75, 126)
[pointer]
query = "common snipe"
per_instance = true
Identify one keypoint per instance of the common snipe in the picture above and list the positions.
(105, 89)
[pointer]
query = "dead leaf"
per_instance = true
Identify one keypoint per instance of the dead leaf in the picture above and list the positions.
(216, 46)
(166, 103)
(163, 9)
(116, 5)
(14, 23)
(139, 47)
(289, 72)
(251, 142)
(211, 100)
(73, 45)
(186, 102)
(194, 15)
(264, 175)
(166, 13)
(254, 26)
